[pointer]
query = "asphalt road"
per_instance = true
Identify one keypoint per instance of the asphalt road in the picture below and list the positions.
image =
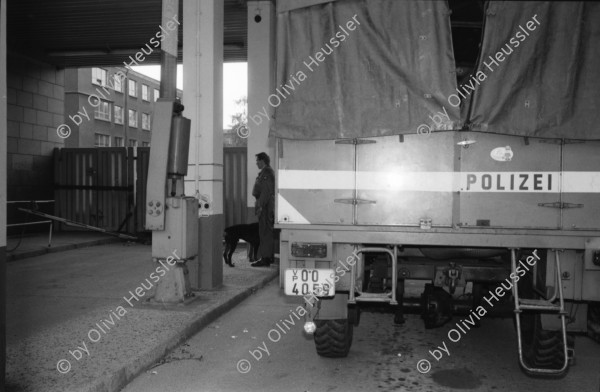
(383, 357)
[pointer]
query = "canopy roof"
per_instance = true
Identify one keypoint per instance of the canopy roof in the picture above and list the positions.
(80, 33)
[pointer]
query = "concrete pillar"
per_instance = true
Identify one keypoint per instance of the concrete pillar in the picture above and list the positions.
(3, 174)
(261, 82)
(203, 101)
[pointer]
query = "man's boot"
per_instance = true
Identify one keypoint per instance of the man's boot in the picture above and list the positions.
(264, 262)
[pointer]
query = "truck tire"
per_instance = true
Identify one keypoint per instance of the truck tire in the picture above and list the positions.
(333, 338)
(594, 321)
(542, 348)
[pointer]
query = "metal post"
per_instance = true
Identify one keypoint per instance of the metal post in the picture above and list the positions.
(50, 234)
(168, 54)
(513, 268)
(126, 110)
(394, 301)
(563, 314)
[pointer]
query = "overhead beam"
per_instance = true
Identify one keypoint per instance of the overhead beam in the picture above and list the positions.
(121, 52)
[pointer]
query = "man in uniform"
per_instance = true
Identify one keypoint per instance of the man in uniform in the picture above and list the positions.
(264, 208)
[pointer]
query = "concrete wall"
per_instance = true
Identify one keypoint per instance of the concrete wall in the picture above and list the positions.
(35, 96)
(261, 76)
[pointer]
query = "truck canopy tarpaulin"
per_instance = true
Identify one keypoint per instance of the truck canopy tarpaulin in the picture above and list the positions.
(358, 68)
(550, 86)
(392, 69)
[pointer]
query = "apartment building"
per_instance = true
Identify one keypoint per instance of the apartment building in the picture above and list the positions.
(103, 108)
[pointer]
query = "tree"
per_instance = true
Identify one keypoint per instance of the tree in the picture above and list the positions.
(240, 119)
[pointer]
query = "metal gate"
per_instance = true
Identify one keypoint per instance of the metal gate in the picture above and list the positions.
(235, 185)
(97, 186)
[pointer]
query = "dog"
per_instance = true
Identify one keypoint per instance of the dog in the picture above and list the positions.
(233, 234)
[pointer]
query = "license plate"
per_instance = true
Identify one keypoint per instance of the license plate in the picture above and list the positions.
(305, 281)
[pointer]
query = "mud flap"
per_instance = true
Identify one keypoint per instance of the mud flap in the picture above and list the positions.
(335, 308)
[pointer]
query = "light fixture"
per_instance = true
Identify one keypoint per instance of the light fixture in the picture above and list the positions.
(257, 17)
(310, 327)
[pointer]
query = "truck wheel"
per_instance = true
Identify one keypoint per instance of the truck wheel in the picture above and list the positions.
(542, 348)
(333, 338)
(594, 321)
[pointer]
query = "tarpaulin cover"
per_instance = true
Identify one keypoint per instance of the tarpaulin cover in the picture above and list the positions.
(289, 5)
(359, 68)
(549, 85)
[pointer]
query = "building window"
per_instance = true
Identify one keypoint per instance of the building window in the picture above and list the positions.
(132, 88)
(117, 83)
(145, 144)
(118, 114)
(101, 140)
(145, 92)
(99, 76)
(102, 112)
(133, 118)
(119, 142)
(156, 94)
(145, 121)
(133, 143)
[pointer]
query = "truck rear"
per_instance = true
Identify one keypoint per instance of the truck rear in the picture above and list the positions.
(392, 191)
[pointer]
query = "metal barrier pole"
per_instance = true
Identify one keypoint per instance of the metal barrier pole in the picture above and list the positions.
(50, 234)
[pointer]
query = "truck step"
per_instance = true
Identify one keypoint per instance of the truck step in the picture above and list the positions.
(538, 304)
(374, 297)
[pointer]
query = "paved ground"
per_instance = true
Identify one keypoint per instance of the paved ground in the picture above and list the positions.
(383, 357)
(65, 307)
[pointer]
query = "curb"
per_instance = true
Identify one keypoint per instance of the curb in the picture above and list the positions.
(117, 380)
(60, 248)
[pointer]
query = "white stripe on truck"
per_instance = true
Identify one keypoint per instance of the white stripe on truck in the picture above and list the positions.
(315, 179)
(511, 182)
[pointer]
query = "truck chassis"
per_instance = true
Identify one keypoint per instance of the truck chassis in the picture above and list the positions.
(550, 278)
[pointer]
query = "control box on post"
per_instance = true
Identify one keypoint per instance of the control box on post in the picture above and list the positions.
(180, 234)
